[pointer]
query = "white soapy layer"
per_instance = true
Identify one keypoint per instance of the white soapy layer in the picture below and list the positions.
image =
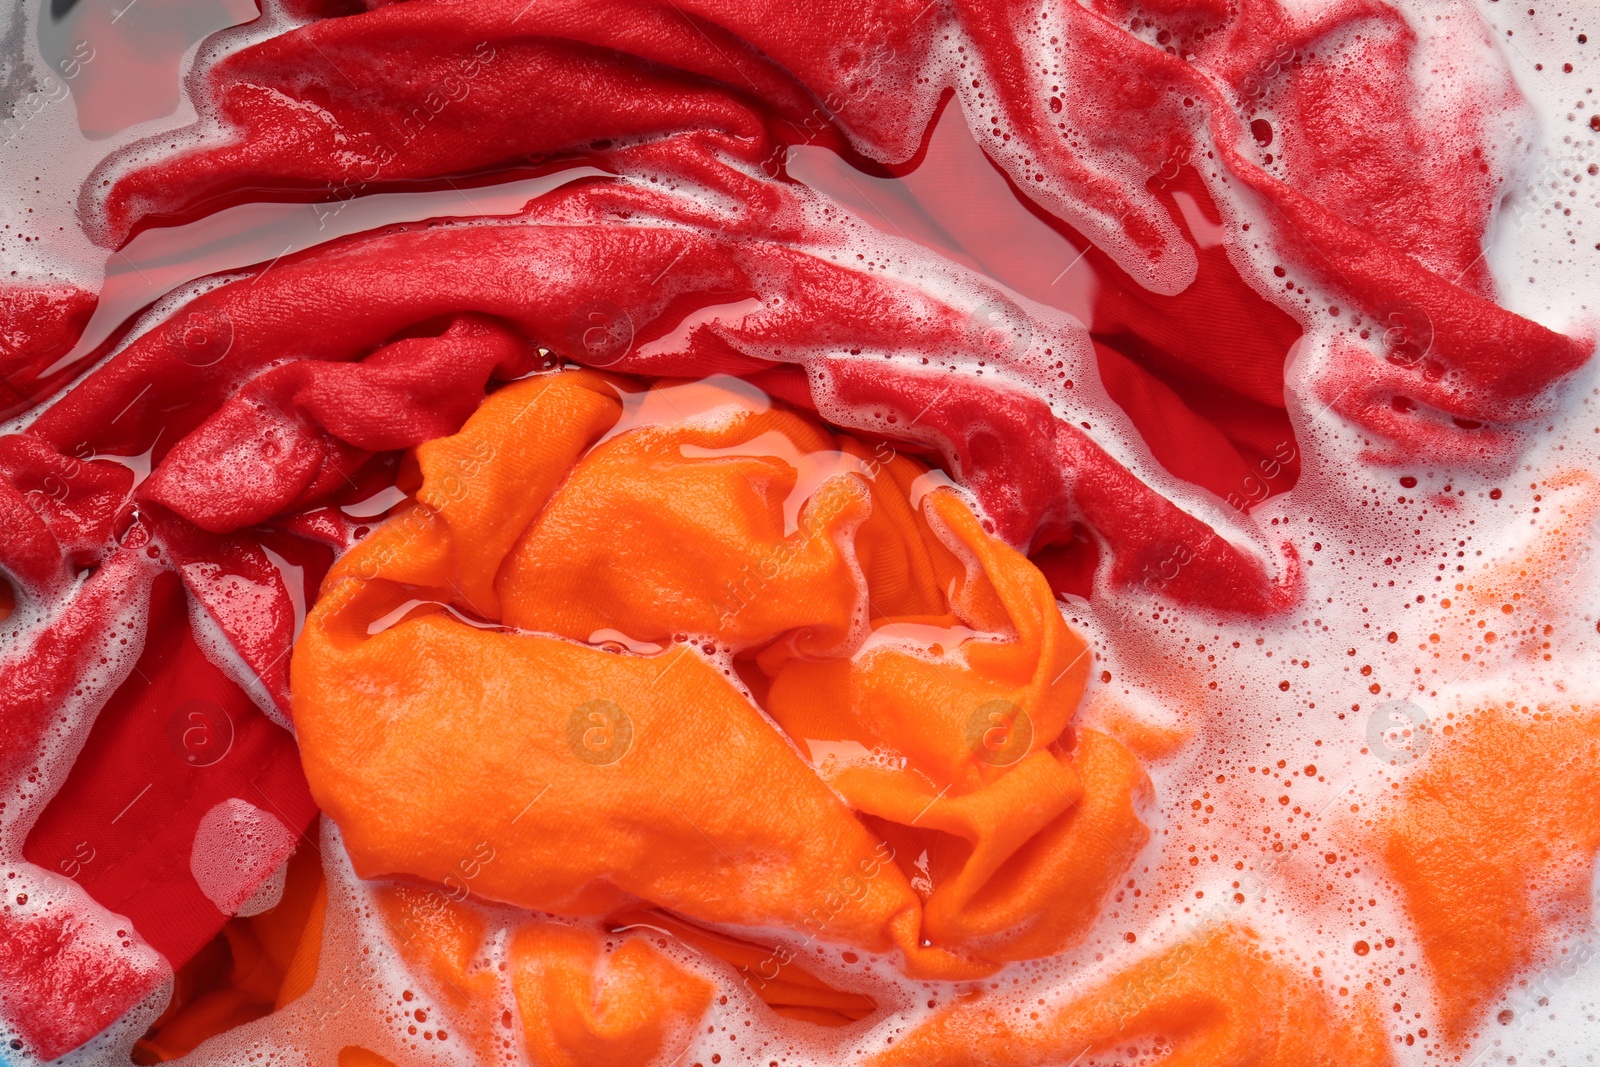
(1543, 247)
(237, 847)
(220, 653)
(33, 890)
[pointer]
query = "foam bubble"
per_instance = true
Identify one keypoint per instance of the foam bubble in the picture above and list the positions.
(237, 847)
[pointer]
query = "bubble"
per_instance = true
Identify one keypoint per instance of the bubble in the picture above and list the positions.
(1407, 334)
(201, 337)
(998, 329)
(600, 334)
(237, 849)
(1399, 731)
(1594, 892)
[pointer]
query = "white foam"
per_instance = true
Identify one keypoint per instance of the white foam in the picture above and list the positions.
(237, 847)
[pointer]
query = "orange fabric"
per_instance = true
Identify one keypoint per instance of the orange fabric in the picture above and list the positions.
(440, 939)
(1150, 741)
(1514, 605)
(1532, 581)
(644, 540)
(583, 1005)
(1217, 999)
(582, 997)
(302, 969)
(256, 966)
(919, 663)
(442, 943)
(771, 974)
(1493, 843)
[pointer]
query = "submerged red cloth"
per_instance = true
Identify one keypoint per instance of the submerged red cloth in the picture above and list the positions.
(175, 740)
(648, 261)
(1367, 193)
(152, 575)
(39, 324)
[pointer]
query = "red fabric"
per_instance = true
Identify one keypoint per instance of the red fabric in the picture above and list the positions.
(49, 661)
(1200, 373)
(381, 282)
(295, 433)
(141, 838)
(68, 514)
(1357, 197)
(58, 509)
(244, 592)
(1361, 194)
(134, 863)
(65, 972)
(39, 323)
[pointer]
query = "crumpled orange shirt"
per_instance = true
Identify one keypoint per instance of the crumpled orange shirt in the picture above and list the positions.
(727, 664)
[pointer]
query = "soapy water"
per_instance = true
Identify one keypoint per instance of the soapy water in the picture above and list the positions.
(235, 850)
(1331, 705)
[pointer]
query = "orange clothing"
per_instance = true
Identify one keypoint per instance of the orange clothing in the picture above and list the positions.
(259, 964)
(1218, 998)
(582, 997)
(462, 690)
(1493, 845)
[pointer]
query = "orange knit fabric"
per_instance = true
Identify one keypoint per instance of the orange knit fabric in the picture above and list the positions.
(727, 664)
(1216, 998)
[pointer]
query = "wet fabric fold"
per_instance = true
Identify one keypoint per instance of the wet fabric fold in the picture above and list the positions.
(1218, 996)
(731, 669)
(1368, 189)
(910, 656)
(776, 296)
